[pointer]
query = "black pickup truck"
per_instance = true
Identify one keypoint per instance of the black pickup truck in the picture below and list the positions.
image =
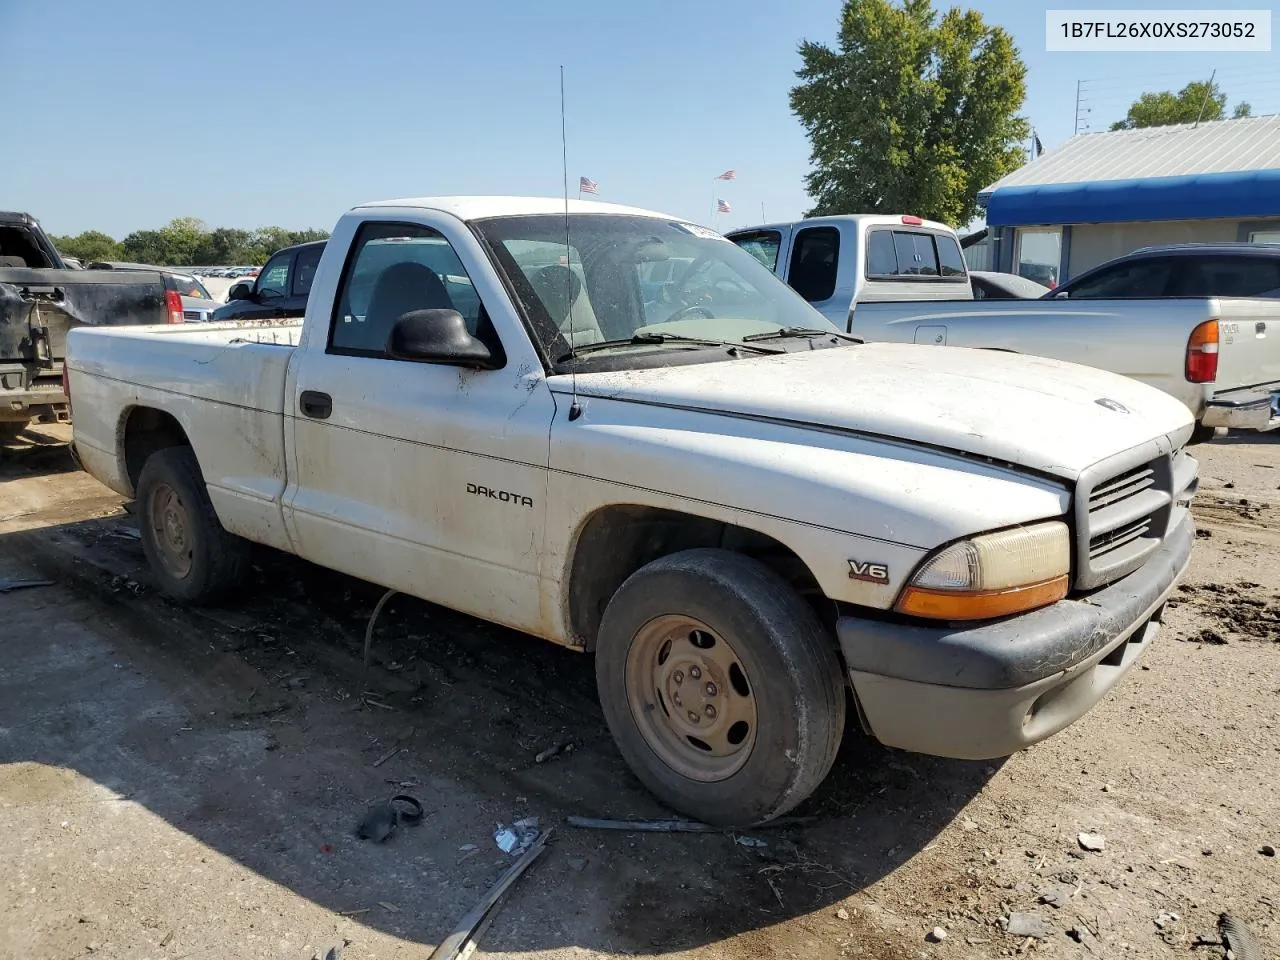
(41, 298)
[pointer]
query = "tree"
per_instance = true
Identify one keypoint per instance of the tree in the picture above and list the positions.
(913, 113)
(88, 246)
(1197, 101)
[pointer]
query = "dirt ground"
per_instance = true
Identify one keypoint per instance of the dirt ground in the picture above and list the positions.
(179, 783)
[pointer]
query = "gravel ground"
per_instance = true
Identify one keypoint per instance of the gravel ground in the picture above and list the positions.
(179, 783)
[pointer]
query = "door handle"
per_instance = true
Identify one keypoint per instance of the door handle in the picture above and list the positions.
(316, 404)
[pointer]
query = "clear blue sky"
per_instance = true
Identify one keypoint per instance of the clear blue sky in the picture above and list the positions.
(122, 115)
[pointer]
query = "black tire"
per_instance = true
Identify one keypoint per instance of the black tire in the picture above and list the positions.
(790, 664)
(1202, 434)
(216, 561)
(11, 429)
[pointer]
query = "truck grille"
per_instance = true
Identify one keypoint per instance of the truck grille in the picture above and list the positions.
(1124, 510)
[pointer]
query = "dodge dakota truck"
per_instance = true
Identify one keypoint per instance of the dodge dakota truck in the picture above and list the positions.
(41, 298)
(750, 519)
(1200, 322)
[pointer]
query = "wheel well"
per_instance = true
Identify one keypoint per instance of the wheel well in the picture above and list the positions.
(617, 541)
(147, 430)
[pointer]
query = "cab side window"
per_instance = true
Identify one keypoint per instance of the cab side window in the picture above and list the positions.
(1138, 279)
(273, 281)
(304, 269)
(393, 269)
(814, 258)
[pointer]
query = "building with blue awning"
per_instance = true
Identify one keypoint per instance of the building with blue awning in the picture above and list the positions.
(1102, 195)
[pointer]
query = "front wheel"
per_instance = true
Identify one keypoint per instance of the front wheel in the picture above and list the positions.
(191, 556)
(720, 686)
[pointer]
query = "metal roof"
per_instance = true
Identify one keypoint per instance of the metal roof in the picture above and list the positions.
(1220, 146)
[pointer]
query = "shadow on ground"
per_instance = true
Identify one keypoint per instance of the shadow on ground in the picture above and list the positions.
(244, 728)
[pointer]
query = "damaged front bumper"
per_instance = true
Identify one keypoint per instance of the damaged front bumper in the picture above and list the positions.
(987, 691)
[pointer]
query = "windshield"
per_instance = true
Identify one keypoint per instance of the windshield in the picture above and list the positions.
(625, 277)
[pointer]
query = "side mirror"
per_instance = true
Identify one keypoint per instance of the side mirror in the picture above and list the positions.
(240, 291)
(437, 336)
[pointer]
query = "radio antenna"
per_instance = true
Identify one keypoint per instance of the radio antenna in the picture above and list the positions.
(575, 408)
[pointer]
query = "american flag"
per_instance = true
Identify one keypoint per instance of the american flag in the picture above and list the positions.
(587, 185)
(728, 175)
(722, 206)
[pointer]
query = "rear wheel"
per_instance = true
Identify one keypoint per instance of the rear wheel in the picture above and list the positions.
(720, 686)
(11, 429)
(192, 557)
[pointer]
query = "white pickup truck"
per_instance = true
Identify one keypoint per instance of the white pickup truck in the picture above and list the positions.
(1200, 322)
(749, 519)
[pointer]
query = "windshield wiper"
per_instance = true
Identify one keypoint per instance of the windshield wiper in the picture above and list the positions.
(799, 332)
(649, 339)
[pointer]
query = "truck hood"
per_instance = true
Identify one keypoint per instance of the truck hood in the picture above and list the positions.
(1045, 415)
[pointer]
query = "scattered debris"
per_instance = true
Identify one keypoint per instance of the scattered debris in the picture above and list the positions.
(1093, 842)
(976, 941)
(1107, 788)
(1267, 850)
(554, 750)
(518, 837)
(1238, 938)
(842, 913)
(1165, 919)
(127, 533)
(577, 864)
(468, 848)
(1027, 925)
(1208, 635)
(120, 583)
(937, 935)
(1056, 897)
(461, 942)
(379, 762)
(673, 826)
(388, 906)
(382, 819)
(7, 584)
(1204, 534)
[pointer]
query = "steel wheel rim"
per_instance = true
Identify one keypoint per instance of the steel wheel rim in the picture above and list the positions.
(691, 698)
(170, 530)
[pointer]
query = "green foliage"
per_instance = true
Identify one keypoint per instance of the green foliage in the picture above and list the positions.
(913, 113)
(186, 242)
(88, 246)
(1196, 101)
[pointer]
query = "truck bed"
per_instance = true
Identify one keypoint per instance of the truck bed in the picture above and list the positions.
(240, 365)
(1142, 339)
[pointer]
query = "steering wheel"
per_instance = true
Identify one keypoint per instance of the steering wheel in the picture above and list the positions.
(686, 313)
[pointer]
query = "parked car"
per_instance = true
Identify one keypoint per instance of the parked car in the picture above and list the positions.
(992, 285)
(41, 298)
(1042, 273)
(279, 290)
(1186, 319)
(198, 304)
(737, 508)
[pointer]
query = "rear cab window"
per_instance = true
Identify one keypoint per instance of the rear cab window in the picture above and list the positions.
(895, 254)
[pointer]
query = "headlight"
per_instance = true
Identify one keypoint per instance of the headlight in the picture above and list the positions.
(993, 575)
